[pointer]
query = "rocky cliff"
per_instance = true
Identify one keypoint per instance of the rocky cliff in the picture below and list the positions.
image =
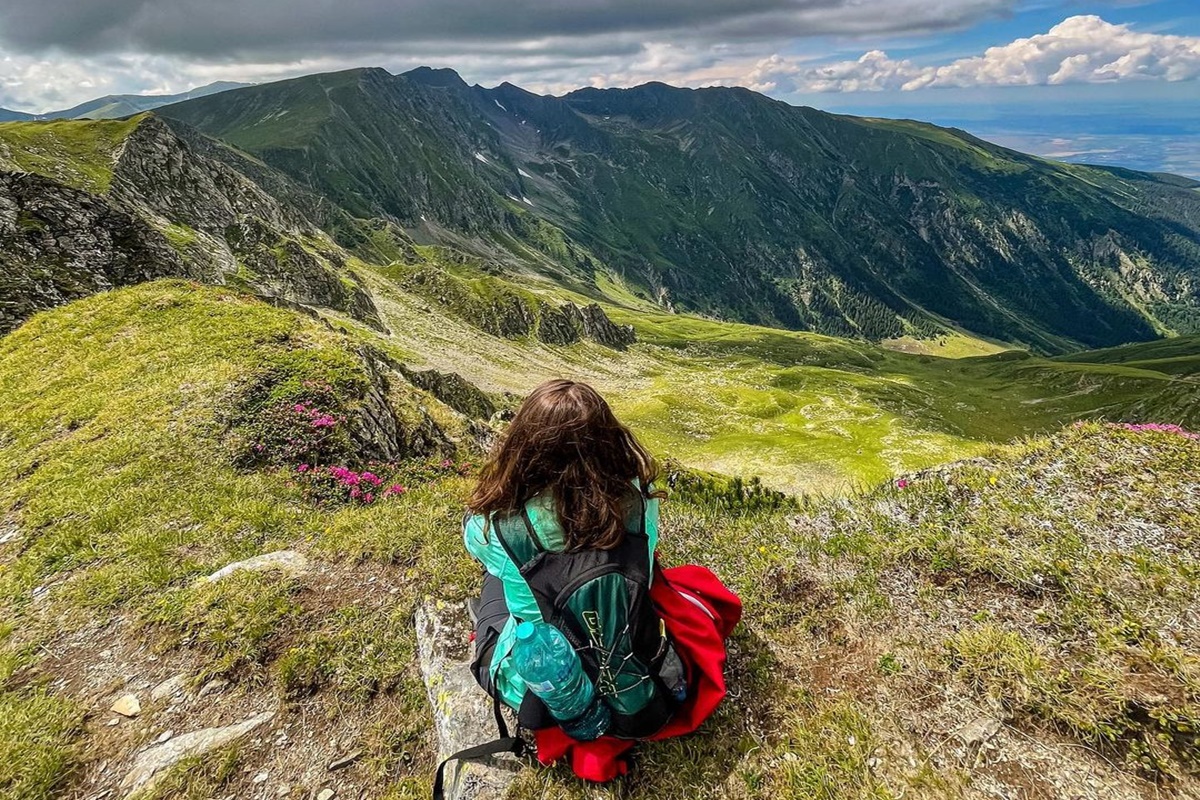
(58, 244)
(157, 208)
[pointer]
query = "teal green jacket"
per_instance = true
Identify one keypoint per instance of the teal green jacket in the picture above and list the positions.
(521, 604)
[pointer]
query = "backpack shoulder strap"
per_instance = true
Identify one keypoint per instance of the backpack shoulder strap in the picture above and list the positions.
(518, 538)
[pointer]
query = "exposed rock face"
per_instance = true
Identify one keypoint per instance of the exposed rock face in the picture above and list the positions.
(168, 212)
(569, 323)
(462, 713)
(454, 390)
(280, 265)
(151, 763)
(381, 428)
(514, 314)
(58, 244)
(288, 562)
(159, 171)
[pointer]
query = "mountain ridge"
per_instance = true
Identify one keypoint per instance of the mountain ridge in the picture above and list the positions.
(728, 203)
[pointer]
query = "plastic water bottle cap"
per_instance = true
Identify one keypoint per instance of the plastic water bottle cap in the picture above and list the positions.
(524, 631)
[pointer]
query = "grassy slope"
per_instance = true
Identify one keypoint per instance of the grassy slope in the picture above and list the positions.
(78, 153)
(808, 413)
(123, 488)
(873, 626)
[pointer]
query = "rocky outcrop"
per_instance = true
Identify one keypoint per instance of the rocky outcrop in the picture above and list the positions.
(288, 562)
(159, 172)
(570, 323)
(513, 314)
(58, 244)
(281, 265)
(462, 713)
(154, 761)
(454, 390)
(168, 211)
(385, 426)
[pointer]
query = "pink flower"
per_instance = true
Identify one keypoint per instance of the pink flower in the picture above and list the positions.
(1159, 427)
(447, 463)
(902, 484)
(299, 408)
(371, 478)
(355, 492)
(368, 497)
(394, 489)
(303, 468)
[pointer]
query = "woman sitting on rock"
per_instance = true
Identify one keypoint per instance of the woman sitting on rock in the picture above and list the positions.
(578, 629)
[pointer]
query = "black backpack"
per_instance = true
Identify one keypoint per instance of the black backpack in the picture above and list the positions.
(600, 600)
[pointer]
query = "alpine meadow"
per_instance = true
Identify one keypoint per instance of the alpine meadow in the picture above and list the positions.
(925, 403)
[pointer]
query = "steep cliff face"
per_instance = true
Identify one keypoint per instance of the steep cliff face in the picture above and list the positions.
(144, 204)
(58, 244)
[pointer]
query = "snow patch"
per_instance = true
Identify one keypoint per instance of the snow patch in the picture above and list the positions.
(523, 173)
(480, 157)
(497, 102)
(526, 201)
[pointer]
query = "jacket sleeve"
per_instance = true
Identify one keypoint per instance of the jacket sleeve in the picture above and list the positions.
(486, 549)
(521, 604)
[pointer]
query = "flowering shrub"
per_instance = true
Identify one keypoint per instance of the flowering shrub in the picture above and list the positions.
(305, 428)
(1159, 427)
(339, 484)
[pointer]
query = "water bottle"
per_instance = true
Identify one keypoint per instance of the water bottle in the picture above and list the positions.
(550, 667)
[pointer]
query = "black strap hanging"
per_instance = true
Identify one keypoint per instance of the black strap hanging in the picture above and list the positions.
(505, 744)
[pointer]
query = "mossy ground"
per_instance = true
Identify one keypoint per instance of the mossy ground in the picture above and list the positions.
(1051, 587)
(78, 153)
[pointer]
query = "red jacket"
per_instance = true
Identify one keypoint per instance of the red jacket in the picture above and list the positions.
(700, 613)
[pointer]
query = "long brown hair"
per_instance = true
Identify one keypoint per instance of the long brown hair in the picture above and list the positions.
(565, 440)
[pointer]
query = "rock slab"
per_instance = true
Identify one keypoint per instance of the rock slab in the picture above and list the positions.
(151, 763)
(288, 562)
(462, 713)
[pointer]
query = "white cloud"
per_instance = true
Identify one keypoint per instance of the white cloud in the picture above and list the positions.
(1080, 49)
(138, 46)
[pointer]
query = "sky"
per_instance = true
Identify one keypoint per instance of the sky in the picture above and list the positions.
(1110, 81)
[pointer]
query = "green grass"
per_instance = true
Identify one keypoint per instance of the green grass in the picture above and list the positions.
(36, 752)
(1048, 582)
(806, 412)
(195, 778)
(116, 428)
(232, 621)
(78, 153)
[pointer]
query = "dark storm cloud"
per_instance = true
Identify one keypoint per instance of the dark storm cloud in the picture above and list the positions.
(216, 28)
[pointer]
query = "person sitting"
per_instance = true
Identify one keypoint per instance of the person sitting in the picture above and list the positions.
(565, 521)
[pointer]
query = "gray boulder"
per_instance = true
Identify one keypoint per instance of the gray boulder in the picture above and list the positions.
(288, 562)
(462, 713)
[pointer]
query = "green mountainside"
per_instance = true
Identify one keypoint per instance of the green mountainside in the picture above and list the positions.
(727, 203)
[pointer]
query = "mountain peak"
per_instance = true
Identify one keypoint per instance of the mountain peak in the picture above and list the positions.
(443, 77)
